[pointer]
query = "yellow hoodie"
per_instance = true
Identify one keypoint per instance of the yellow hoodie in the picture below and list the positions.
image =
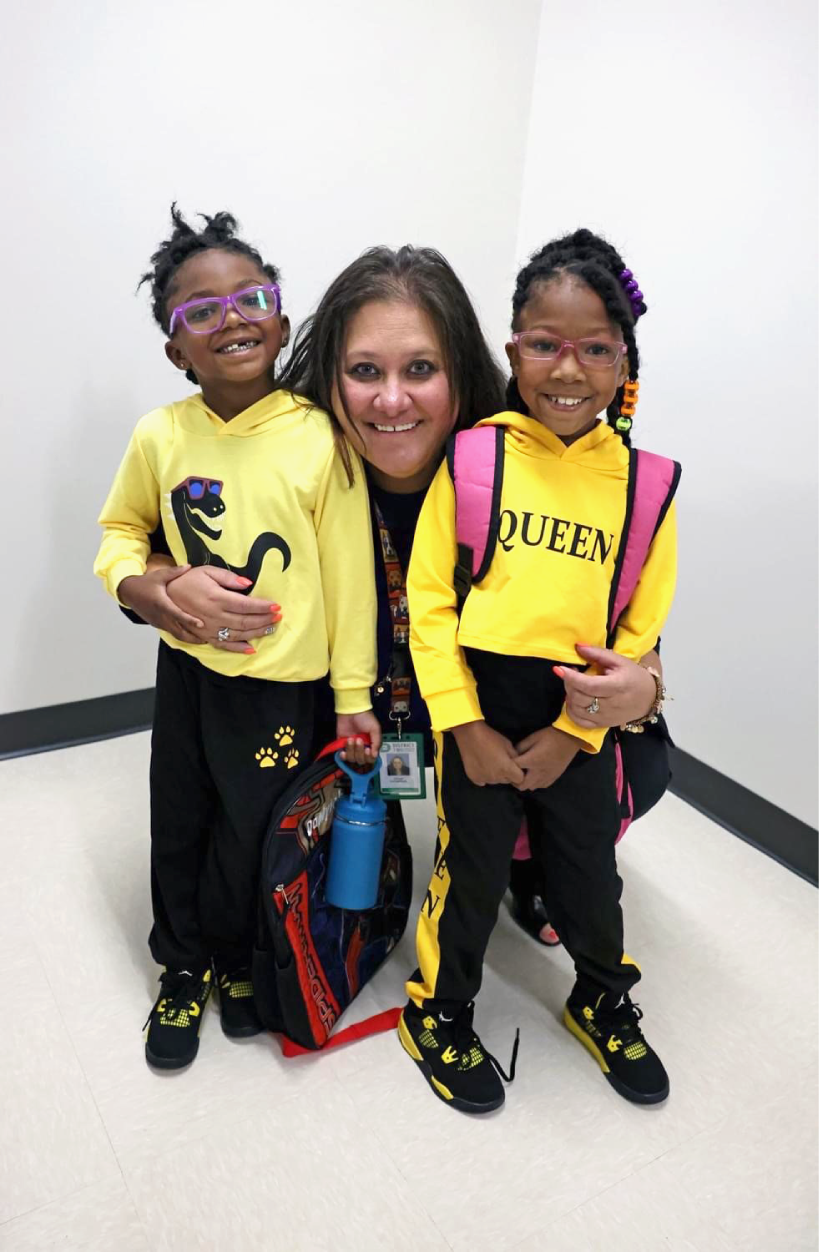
(548, 586)
(266, 496)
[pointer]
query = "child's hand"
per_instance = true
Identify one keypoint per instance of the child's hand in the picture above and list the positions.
(350, 726)
(488, 756)
(544, 756)
(214, 595)
(147, 595)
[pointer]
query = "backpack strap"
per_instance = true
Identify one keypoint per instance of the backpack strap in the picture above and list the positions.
(652, 483)
(475, 459)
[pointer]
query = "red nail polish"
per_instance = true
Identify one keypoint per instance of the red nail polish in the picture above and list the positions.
(250, 651)
(246, 582)
(557, 669)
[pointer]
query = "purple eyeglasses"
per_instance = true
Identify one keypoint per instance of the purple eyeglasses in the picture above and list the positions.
(203, 317)
(542, 345)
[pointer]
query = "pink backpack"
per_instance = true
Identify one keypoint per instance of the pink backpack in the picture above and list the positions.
(475, 459)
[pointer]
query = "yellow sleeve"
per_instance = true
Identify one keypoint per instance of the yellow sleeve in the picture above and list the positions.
(644, 617)
(345, 547)
(445, 680)
(128, 517)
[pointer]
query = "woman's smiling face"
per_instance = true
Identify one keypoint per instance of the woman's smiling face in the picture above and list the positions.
(393, 397)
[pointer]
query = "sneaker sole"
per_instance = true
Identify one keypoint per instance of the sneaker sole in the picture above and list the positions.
(443, 1093)
(170, 1062)
(241, 1032)
(628, 1093)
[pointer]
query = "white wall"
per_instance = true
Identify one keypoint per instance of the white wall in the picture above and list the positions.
(684, 132)
(325, 127)
(687, 133)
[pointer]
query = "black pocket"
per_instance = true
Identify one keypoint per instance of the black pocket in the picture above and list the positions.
(265, 988)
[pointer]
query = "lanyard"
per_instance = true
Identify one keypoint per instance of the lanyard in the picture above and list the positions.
(399, 675)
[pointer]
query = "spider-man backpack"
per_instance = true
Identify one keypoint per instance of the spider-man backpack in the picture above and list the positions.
(312, 959)
(475, 458)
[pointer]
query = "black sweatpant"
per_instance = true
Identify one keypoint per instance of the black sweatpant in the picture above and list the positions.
(222, 751)
(572, 829)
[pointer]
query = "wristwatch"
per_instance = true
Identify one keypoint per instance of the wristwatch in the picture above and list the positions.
(639, 724)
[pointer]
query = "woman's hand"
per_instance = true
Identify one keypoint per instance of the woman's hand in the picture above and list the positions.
(624, 690)
(213, 596)
(488, 756)
(351, 726)
(147, 595)
(544, 756)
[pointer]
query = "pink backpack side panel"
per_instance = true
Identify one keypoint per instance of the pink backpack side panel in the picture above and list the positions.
(655, 474)
(474, 481)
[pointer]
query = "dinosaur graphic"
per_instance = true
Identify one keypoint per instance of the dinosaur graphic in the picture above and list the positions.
(196, 502)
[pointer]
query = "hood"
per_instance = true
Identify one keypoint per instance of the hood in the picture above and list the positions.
(532, 438)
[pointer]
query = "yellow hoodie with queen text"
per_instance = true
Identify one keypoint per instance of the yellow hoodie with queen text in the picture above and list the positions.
(265, 495)
(561, 518)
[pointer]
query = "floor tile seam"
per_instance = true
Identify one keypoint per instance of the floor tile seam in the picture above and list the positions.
(683, 1143)
(632, 1173)
(80, 1065)
(386, 1151)
(588, 1200)
(61, 1198)
(132, 1201)
(207, 1129)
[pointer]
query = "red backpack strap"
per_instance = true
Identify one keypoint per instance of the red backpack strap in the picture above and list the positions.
(475, 459)
(652, 483)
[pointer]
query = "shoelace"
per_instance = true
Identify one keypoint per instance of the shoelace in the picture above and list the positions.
(182, 998)
(465, 1038)
(625, 1019)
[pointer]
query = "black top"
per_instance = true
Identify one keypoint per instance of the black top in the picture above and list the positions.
(400, 513)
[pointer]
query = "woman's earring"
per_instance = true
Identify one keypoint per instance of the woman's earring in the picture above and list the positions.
(628, 408)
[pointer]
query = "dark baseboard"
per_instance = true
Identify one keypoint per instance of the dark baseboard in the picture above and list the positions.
(82, 721)
(745, 814)
(770, 829)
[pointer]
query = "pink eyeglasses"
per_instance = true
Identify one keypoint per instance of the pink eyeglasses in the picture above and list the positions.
(540, 345)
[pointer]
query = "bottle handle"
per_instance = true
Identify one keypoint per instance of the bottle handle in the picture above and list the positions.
(360, 779)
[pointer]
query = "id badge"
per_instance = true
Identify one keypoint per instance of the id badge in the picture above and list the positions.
(401, 776)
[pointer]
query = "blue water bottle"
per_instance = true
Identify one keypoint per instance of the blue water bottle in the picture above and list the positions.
(356, 843)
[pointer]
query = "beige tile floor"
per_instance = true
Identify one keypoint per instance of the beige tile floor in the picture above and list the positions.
(349, 1151)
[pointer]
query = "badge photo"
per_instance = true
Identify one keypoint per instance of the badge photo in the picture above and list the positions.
(401, 776)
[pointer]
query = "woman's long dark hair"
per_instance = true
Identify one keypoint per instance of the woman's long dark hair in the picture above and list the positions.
(423, 277)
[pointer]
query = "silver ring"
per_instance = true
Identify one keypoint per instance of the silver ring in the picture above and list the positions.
(224, 634)
(270, 630)
(594, 707)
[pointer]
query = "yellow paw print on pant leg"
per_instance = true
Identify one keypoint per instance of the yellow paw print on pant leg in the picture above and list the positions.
(267, 758)
(284, 739)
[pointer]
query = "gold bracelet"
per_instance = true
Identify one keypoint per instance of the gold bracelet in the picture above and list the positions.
(660, 696)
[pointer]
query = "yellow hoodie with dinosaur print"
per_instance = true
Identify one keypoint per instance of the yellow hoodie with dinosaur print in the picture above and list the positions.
(266, 496)
(561, 517)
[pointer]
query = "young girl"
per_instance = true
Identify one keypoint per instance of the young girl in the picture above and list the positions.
(505, 746)
(245, 479)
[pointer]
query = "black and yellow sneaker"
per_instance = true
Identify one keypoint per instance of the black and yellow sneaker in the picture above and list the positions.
(613, 1036)
(173, 1023)
(453, 1060)
(237, 1007)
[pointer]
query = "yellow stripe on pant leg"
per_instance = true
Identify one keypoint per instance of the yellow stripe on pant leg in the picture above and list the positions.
(426, 935)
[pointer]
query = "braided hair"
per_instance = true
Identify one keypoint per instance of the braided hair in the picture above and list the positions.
(184, 242)
(599, 265)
